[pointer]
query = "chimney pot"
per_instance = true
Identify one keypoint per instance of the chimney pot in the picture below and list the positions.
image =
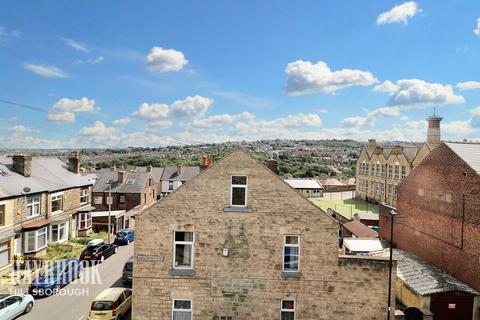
(272, 164)
(23, 164)
(206, 162)
(179, 169)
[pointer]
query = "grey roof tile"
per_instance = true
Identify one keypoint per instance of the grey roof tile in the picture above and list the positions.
(469, 152)
(187, 173)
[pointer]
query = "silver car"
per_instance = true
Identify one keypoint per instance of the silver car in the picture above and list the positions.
(11, 305)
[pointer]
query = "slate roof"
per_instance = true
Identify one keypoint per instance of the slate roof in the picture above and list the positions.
(139, 181)
(469, 152)
(157, 172)
(48, 174)
(187, 173)
(360, 230)
(304, 183)
(425, 279)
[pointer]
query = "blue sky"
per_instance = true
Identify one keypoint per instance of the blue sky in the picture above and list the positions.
(149, 73)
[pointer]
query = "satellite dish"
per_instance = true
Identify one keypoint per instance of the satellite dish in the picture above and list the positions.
(27, 189)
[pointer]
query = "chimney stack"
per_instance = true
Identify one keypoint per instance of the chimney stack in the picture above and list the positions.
(272, 164)
(22, 164)
(179, 169)
(121, 177)
(372, 143)
(206, 162)
(149, 168)
(433, 132)
(74, 162)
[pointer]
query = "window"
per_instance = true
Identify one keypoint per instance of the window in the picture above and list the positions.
(397, 171)
(122, 199)
(382, 170)
(36, 240)
(85, 220)
(2, 215)
(33, 206)
(382, 189)
(84, 196)
(4, 254)
(57, 202)
(144, 198)
(98, 200)
(395, 192)
(58, 232)
(170, 185)
(390, 171)
(181, 309)
(291, 253)
(238, 192)
(183, 250)
(404, 172)
(372, 172)
(288, 310)
(377, 170)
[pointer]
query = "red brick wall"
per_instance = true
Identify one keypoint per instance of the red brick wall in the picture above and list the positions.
(430, 225)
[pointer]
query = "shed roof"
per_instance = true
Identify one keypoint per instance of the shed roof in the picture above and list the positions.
(304, 183)
(360, 230)
(469, 152)
(425, 279)
(136, 182)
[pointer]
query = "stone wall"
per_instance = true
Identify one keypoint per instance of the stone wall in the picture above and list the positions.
(249, 283)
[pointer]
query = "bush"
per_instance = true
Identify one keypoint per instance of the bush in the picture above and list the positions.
(85, 240)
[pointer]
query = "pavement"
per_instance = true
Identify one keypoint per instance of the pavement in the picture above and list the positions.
(74, 300)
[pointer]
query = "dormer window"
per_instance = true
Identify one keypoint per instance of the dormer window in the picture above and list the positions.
(238, 191)
(130, 181)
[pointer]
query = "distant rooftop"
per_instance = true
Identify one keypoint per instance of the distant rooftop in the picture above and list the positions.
(304, 183)
(468, 151)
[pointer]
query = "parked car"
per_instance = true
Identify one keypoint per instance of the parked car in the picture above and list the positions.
(11, 306)
(55, 277)
(127, 271)
(97, 251)
(124, 236)
(112, 303)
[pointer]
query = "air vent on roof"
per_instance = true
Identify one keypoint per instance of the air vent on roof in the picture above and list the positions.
(130, 181)
(27, 189)
(109, 181)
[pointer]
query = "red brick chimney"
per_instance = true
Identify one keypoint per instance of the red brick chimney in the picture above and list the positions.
(272, 164)
(74, 162)
(179, 169)
(121, 176)
(206, 162)
(22, 164)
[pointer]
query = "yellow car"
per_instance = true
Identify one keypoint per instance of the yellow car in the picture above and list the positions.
(111, 304)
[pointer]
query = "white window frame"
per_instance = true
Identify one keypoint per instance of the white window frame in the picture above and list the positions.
(171, 185)
(37, 233)
(95, 199)
(288, 310)
(55, 195)
(404, 172)
(58, 240)
(120, 197)
(33, 205)
(292, 246)
(87, 195)
(192, 243)
(86, 217)
(183, 310)
(245, 186)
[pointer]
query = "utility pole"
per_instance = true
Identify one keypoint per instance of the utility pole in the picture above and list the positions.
(109, 209)
(393, 215)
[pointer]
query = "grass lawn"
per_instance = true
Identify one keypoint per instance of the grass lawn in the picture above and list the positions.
(348, 207)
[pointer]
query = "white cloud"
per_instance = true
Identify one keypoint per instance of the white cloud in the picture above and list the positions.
(468, 85)
(399, 14)
(418, 93)
(6, 36)
(352, 122)
(64, 110)
(45, 71)
(190, 107)
(244, 99)
(303, 77)
(21, 129)
(121, 122)
(91, 60)
(214, 121)
(98, 130)
(371, 117)
(477, 29)
(165, 60)
(75, 45)
(152, 112)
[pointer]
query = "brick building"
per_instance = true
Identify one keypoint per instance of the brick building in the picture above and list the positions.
(237, 242)
(439, 209)
(381, 169)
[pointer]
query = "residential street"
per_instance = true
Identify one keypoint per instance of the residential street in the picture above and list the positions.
(75, 303)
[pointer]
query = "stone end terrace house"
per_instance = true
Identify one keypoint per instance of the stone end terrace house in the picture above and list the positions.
(237, 242)
(42, 200)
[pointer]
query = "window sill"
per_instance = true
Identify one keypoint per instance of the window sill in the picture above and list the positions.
(291, 274)
(181, 272)
(237, 209)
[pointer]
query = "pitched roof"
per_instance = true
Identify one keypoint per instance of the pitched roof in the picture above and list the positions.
(425, 279)
(469, 152)
(360, 230)
(186, 173)
(138, 181)
(157, 172)
(48, 174)
(331, 182)
(304, 183)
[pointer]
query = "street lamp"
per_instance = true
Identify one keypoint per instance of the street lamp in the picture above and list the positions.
(393, 214)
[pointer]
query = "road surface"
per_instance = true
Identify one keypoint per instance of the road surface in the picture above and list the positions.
(73, 302)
